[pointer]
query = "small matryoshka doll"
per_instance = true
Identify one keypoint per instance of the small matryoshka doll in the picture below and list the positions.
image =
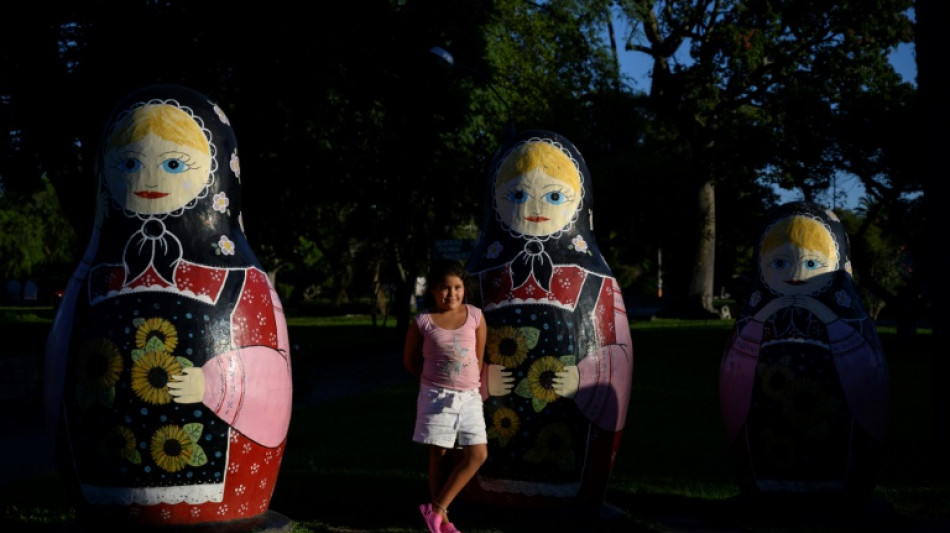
(167, 374)
(803, 382)
(558, 356)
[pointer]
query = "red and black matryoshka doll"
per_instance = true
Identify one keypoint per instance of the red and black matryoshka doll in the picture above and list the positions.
(803, 383)
(558, 356)
(167, 374)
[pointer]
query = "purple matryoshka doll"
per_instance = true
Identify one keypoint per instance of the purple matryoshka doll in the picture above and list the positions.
(167, 374)
(558, 356)
(803, 382)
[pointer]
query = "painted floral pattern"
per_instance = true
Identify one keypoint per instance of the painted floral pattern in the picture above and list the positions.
(236, 165)
(220, 112)
(508, 346)
(151, 374)
(579, 244)
(554, 446)
(220, 202)
(155, 334)
(504, 425)
(98, 370)
(120, 443)
(224, 246)
(538, 386)
(174, 447)
(494, 250)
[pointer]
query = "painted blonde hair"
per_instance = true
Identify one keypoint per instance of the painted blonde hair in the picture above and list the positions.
(165, 121)
(804, 232)
(543, 155)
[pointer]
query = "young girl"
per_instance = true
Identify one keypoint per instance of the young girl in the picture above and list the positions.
(444, 349)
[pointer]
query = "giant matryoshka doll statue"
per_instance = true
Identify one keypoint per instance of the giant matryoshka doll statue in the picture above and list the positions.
(803, 382)
(168, 375)
(558, 356)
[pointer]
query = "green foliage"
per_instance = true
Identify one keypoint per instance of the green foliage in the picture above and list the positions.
(36, 240)
(760, 96)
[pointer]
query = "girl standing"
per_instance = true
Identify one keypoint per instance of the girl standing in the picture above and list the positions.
(444, 349)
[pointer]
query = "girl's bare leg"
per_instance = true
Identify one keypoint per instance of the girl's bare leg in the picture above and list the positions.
(465, 469)
(439, 468)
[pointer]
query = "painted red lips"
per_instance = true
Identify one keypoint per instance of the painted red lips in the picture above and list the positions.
(150, 195)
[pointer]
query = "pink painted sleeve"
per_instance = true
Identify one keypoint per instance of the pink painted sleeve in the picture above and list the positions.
(737, 377)
(605, 376)
(864, 377)
(250, 388)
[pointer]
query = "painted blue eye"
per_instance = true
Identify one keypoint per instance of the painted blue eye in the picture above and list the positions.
(174, 166)
(811, 264)
(779, 264)
(130, 165)
(555, 198)
(518, 197)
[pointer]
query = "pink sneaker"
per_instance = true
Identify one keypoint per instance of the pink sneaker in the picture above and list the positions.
(449, 527)
(432, 518)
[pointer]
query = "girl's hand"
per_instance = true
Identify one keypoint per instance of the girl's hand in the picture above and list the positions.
(500, 381)
(188, 387)
(566, 382)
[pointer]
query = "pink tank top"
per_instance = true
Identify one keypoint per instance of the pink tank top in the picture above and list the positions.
(449, 359)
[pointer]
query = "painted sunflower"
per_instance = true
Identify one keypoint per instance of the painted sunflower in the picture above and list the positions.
(171, 448)
(120, 442)
(99, 365)
(554, 445)
(504, 425)
(156, 333)
(508, 346)
(539, 383)
(808, 407)
(151, 374)
(780, 451)
(774, 378)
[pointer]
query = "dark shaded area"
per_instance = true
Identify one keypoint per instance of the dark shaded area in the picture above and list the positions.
(350, 464)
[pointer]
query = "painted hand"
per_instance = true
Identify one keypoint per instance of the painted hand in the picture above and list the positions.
(500, 381)
(189, 387)
(820, 310)
(566, 382)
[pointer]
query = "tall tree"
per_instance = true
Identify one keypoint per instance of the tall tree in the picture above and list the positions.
(772, 69)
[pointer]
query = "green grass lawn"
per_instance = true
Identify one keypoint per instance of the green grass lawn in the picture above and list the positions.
(350, 466)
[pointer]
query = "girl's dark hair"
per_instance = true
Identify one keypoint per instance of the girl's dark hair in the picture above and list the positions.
(438, 270)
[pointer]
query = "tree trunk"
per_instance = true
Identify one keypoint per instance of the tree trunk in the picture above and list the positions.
(380, 305)
(704, 266)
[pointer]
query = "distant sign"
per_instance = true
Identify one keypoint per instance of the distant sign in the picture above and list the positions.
(453, 249)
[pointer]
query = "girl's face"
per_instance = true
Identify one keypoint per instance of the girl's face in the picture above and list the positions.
(153, 175)
(536, 203)
(449, 294)
(788, 269)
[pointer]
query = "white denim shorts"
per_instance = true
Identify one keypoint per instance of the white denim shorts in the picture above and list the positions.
(449, 418)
